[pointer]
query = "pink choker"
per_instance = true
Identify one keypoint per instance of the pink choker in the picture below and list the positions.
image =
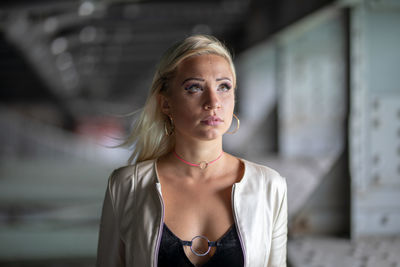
(202, 165)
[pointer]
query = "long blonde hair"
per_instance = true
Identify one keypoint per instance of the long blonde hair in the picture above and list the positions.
(148, 137)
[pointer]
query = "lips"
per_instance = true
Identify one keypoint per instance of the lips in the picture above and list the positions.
(212, 120)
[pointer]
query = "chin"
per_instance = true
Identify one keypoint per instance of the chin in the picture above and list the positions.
(204, 134)
(211, 135)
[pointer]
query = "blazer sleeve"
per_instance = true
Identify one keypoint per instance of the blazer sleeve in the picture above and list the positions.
(111, 248)
(279, 232)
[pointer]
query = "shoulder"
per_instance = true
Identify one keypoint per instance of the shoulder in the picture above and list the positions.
(258, 173)
(126, 175)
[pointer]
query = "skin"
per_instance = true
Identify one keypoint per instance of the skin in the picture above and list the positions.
(198, 202)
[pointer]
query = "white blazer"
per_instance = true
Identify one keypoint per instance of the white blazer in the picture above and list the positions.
(133, 212)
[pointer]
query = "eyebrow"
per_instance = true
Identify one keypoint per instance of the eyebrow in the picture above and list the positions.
(202, 80)
(192, 78)
(223, 78)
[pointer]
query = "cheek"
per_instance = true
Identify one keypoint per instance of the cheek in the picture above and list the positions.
(229, 103)
(183, 113)
(179, 105)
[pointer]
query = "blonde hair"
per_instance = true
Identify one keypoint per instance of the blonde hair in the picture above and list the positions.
(148, 135)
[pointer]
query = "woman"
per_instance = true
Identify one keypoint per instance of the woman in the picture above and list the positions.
(185, 202)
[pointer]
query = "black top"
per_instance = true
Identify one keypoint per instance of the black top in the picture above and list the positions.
(228, 253)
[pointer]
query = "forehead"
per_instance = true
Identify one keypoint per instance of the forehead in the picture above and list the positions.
(204, 65)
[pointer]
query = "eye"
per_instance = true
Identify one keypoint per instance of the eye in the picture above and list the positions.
(224, 87)
(193, 88)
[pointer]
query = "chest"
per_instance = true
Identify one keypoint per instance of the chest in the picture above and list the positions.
(192, 210)
(253, 224)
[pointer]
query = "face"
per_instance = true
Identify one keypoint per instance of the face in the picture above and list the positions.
(201, 98)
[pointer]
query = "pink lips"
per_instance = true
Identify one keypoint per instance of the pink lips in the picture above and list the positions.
(212, 120)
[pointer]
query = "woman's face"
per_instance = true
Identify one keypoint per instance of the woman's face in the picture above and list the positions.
(201, 98)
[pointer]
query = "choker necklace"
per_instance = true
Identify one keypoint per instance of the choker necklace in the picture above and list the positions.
(202, 165)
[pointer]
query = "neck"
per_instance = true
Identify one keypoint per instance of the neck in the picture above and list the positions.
(202, 164)
(207, 151)
(210, 151)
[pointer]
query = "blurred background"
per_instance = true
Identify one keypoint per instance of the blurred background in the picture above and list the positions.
(318, 99)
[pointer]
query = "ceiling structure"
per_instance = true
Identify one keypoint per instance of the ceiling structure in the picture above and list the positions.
(88, 52)
(97, 55)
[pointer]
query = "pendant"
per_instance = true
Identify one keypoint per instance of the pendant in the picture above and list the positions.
(203, 165)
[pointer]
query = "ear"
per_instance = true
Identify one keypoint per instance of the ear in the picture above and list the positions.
(164, 104)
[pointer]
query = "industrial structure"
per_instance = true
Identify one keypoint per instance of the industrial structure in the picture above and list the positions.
(318, 98)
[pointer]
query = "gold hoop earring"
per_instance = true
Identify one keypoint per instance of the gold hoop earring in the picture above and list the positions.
(172, 127)
(237, 125)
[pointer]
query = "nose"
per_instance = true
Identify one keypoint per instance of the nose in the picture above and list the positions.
(212, 101)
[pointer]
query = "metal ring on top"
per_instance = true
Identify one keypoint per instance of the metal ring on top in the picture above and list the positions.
(210, 244)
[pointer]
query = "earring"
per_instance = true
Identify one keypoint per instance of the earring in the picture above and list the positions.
(172, 127)
(237, 125)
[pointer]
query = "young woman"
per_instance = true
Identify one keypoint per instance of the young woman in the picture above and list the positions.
(186, 202)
